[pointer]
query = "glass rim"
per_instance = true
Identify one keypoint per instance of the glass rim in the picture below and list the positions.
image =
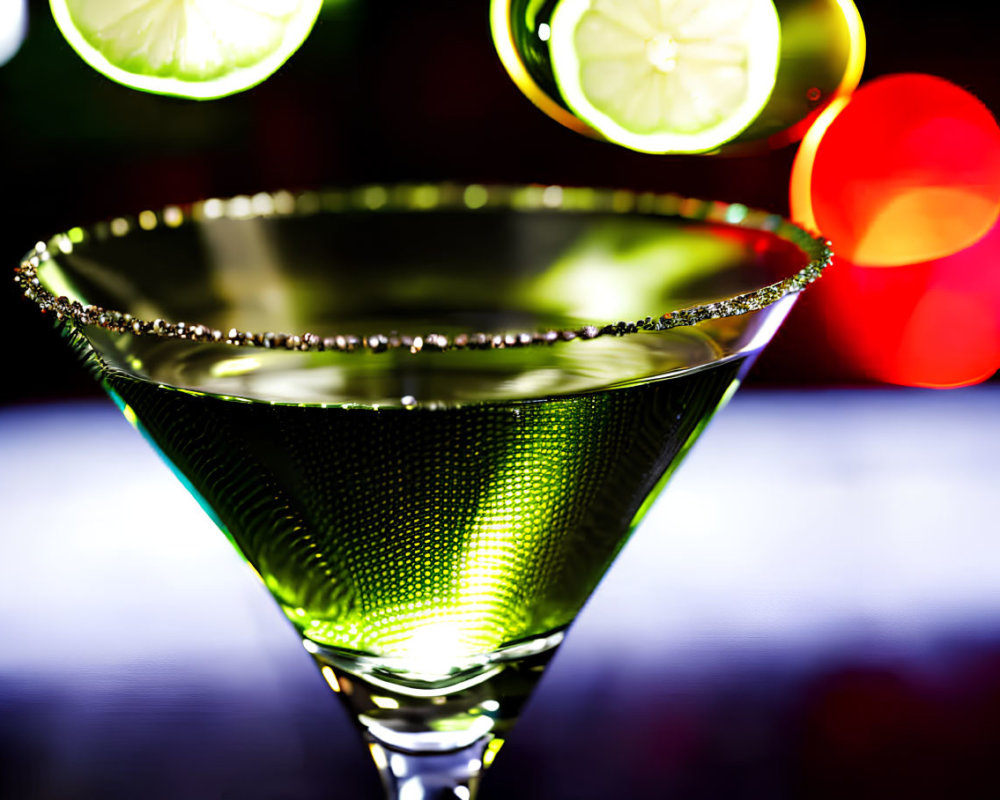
(423, 198)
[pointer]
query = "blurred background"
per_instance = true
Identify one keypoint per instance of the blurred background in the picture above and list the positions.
(856, 654)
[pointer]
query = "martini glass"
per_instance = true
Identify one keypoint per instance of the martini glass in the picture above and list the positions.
(427, 417)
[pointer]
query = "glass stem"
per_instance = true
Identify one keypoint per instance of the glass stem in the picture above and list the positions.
(431, 776)
(432, 740)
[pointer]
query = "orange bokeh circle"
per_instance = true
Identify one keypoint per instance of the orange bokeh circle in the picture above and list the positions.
(906, 170)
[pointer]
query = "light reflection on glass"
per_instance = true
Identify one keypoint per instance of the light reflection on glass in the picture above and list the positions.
(331, 678)
(235, 366)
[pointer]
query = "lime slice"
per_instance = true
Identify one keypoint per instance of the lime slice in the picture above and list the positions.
(190, 48)
(666, 76)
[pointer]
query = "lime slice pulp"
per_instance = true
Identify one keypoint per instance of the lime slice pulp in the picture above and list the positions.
(200, 49)
(666, 76)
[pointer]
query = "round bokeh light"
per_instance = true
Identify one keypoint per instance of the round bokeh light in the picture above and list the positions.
(934, 324)
(904, 178)
(907, 170)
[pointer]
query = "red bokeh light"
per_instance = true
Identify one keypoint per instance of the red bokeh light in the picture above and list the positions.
(905, 179)
(935, 323)
(907, 171)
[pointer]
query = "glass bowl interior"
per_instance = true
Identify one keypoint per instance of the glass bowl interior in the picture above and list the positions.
(411, 269)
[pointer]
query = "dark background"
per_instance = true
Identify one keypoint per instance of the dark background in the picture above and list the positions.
(382, 90)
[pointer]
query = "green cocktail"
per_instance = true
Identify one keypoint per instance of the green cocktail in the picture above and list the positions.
(428, 417)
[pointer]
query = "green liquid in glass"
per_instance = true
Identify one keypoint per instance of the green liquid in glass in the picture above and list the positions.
(429, 521)
(429, 538)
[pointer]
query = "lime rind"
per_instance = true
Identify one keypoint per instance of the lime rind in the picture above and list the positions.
(199, 49)
(512, 26)
(666, 76)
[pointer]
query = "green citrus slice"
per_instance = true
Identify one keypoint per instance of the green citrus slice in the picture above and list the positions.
(666, 76)
(191, 48)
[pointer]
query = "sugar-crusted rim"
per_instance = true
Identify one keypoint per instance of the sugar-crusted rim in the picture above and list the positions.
(417, 199)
